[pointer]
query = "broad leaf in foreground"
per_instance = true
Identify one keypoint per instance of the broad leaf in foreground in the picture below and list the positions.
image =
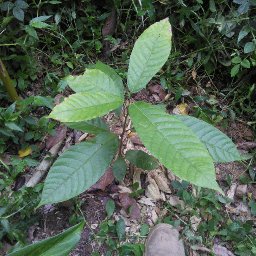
(149, 54)
(59, 245)
(219, 145)
(93, 126)
(85, 106)
(94, 80)
(78, 168)
(174, 144)
(110, 72)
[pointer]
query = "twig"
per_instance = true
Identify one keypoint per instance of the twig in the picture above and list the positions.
(45, 165)
(123, 132)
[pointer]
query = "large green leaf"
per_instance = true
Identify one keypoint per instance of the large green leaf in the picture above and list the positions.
(149, 54)
(85, 106)
(110, 72)
(59, 245)
(174, 144)
(79, 168)
(219, 145)
(93, 126)
(94, 80)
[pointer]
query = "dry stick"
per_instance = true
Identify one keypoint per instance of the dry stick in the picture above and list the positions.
(45, 165)
(4, 76)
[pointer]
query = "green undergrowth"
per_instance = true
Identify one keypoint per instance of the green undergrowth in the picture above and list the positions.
(211, 67)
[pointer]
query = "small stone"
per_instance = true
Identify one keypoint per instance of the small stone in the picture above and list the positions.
(241, 190)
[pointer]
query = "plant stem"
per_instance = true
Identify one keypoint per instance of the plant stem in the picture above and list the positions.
(4, 76)
(123, 132)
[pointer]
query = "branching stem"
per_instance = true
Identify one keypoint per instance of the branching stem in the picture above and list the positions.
(125, 110)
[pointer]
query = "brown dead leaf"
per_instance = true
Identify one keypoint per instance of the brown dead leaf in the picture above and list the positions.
(161, 180)
(194, 74)
(158, 90)
(181, 109)
(25, 152)
(110, 24)
(152, 190)
(104, 181)
(130, 205)
(60, 134)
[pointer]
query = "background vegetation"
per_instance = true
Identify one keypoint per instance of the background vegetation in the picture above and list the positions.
(214, 51)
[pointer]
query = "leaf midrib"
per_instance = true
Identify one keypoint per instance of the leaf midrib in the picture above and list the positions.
(84, 163)
(194, 167)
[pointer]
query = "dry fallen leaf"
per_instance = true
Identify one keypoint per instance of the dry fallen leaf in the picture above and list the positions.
(181, 109)
(194, 74)
(60, 134)
(25, 152)
(195, 221)
(130, 205)
(110, 24)
(104, 181)
(152, 190)
(160, 179)
(174, 201)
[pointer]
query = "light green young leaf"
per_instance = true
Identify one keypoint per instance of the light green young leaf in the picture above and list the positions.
(93, 126)
(78, 168)
(85, 106)
(149, 54)
(219, 145)
(38, 22)
(174, 144)
(246, 63)
(94, 80)
(59, 245)
(235, 70)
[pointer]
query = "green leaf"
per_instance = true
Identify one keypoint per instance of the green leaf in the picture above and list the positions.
(110, 207)
(21, 4)
(110, 72)
(13, 126)
(78, 168)
(144, 229)
(93, 126)
(242, 34)
(246, 63)
(219, 145)
(236, 60)
(85, 106)
(119, 169)
(149, 54)
(59, 245)
(141, 159)
(31, 31)
(174, 145)
(38, 22)
(120, 229)
(94, 80)
(249, 47)
(18, 13)
(235, 70)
